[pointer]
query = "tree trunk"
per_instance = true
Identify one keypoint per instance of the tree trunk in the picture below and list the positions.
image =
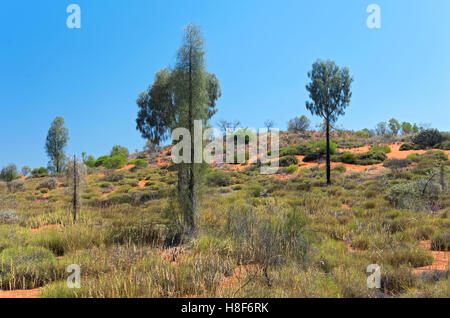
(328, 153)
(191, 188)
(75, 202)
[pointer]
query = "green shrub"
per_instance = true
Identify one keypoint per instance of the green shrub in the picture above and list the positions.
(445, 145)
(218, 178)
(291, 169)
(321, 147)
(348, 157)
(101, 161)
(378, 148)
(288, 160)
(427, 138)
(139, 163)
(409, 146)
(115, 162)
(440, 241)
(39, 172)
(312, 157)
(9, 173)
(289, 151)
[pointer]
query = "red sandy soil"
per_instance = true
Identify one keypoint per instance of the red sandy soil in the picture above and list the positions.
(346, 206)
(142, 183)
(23, 178)
(39, 229)
(100, 175)
(441, 260)
(127, 167)
(104, 195)
(20, 293)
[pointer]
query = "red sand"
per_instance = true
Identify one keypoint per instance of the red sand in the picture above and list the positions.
(50, 226)
(441, 260)
(142, 183)
(127, 167)
(20, 293)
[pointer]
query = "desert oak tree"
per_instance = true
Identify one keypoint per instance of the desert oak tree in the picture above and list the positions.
(56, 142)
(330, 93)
(178, 97)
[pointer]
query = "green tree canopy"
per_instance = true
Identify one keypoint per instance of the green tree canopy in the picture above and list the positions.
(178, 97)
(330, 93)
(56, 142)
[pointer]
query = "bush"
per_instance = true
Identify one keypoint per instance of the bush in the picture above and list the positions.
(378, 148)
(396, 164)
(372, 157)
(39, 172)
(409, 146)
(101, 161)
(218, 178)
(288, 160)
(348, 157)
(321, 147)
(427, 138)
(267, 242)
(445, 145)
(115, 162)
(8, 217)
(412, 195)
(26, 267)
(49, 183)
(16, 185)
(289, 151)
(139, 163)
(312, 157)
(119, 151)
(440, 241)
(291, 169)
(9, 173)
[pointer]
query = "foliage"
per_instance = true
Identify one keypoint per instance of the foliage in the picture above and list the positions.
(427, 138)
(9, 173)
(56, 142)
(288, 160)
(218, 178)
(48, 183)
(299, 124)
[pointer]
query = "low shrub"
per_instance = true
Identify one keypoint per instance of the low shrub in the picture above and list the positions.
(48, 183)
(39, 172)
(288, 160)
(139, 163)
(218, 178)
(291, 169)
(427, 138)
(440, 240)
(115, 162)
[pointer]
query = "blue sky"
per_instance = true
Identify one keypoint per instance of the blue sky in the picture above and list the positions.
(260, 50)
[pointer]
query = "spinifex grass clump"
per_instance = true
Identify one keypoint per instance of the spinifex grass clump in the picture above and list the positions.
(26, 267)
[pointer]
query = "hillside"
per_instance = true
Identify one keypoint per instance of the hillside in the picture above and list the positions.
(283, 235)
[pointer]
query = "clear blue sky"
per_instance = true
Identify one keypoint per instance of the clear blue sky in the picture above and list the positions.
(261, 51)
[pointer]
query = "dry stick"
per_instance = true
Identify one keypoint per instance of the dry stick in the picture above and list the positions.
(74, 189)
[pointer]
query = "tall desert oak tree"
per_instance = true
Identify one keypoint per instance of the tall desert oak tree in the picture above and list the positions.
(177, 97)
(56, 142)
(330, 93)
